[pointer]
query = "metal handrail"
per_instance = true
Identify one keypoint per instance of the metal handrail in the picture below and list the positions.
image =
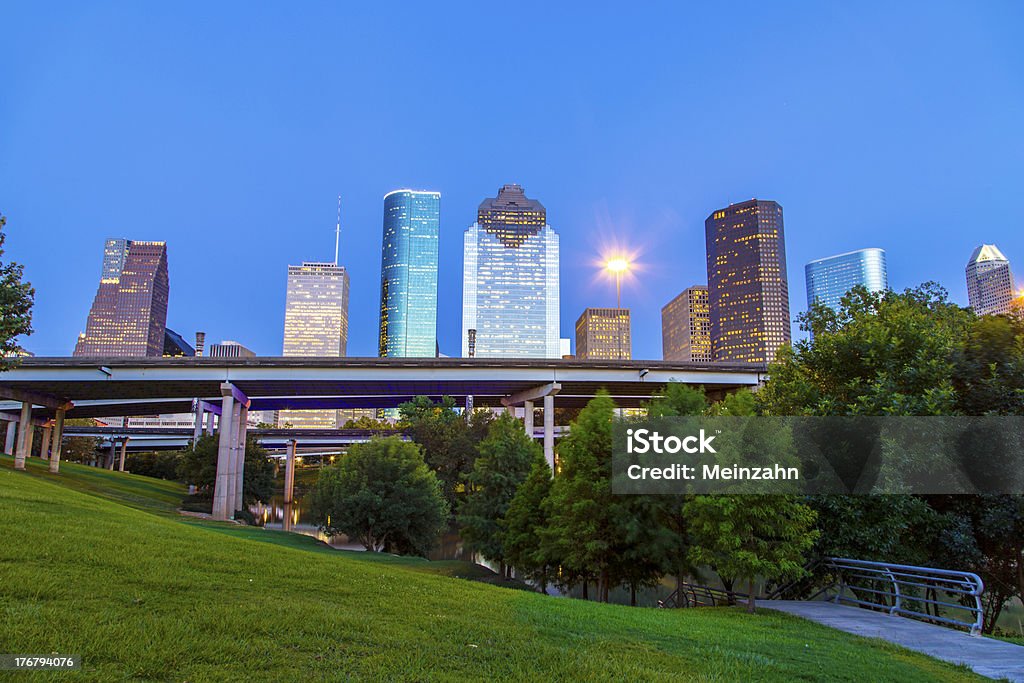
(903, 579)
(695, 595)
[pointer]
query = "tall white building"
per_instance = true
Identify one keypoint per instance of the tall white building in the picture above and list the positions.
(989, 281)
(510, 299)
(315, 325)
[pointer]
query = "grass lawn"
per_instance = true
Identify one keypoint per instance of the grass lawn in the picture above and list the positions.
(143, 594)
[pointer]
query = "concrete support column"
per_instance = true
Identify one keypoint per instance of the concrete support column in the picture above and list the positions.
(124, 451)
(58, 439)
(12, 432)
(549, 430)
(289, 472)
(112, 455)
(528, 418)
(209, 423)
(225, 447)
(243, 426)
(24, 444)
(198, 430)
(44, 445)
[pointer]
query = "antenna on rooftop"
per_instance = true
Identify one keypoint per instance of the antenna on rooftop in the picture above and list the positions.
(337, 233)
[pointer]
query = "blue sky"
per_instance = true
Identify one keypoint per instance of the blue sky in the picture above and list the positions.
(227, 129)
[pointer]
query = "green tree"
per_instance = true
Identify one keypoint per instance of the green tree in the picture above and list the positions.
(160, 465)
(523, 523)
(879, 354)
(677, 400)
(912, 353)
(448, 439)
(81, 449)
(16, 299)
(366, 422)
(744, 537)
(199, 467)
(591, 533)
(504, 461)
(988, 369)
(383, 495)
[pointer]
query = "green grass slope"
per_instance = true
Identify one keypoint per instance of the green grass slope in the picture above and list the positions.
(144, 596)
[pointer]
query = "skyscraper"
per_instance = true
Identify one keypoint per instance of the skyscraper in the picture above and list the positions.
(989, 281)
(686, 327)
(315, 324)
(830, 278)
(129, 314)
(748, 293)
(510, 280)
(408, 274)
(603, 334)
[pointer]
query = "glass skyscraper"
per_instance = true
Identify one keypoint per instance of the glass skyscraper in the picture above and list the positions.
(989, 281)
(748, 291)
(129, 314)
(830, 278)
(408, 274)
(510, 298)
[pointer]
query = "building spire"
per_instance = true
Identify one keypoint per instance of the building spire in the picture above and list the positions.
(337, 233)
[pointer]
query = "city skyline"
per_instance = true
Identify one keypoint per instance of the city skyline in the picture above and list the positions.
(633, 145)
(115, 252)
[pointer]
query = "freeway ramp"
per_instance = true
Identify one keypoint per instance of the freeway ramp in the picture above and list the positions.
(986, 656)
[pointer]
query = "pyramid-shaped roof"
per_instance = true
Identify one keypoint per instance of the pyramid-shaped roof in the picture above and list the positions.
(987, 252)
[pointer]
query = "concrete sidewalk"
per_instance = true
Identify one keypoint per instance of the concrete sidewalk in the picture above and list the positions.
(986, 656)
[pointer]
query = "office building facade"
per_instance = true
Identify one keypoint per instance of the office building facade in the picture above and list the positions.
(230, 349)
(315, 325)
(686, 327)
(128, 317)
(748, 290)
(830, 278)
(603, 334)
(990, 285)
(510, 295)
(408, 279)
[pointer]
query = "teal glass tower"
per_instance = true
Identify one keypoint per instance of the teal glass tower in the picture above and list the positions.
(830, 278)
(408, 274)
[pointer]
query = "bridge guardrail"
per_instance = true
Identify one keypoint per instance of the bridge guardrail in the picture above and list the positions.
(899, 588)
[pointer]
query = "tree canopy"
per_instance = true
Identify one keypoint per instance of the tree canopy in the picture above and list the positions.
(16, 300)
(382, 495)
(504, 461)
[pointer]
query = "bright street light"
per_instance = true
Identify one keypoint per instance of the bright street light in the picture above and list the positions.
(617, 266)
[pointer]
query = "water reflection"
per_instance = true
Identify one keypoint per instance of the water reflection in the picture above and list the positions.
(296, 517)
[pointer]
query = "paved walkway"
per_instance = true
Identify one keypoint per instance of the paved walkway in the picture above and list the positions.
(986, 656)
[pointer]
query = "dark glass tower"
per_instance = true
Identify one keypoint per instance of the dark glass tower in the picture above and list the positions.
(408, 274)
(129, 314)
(748, 293)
